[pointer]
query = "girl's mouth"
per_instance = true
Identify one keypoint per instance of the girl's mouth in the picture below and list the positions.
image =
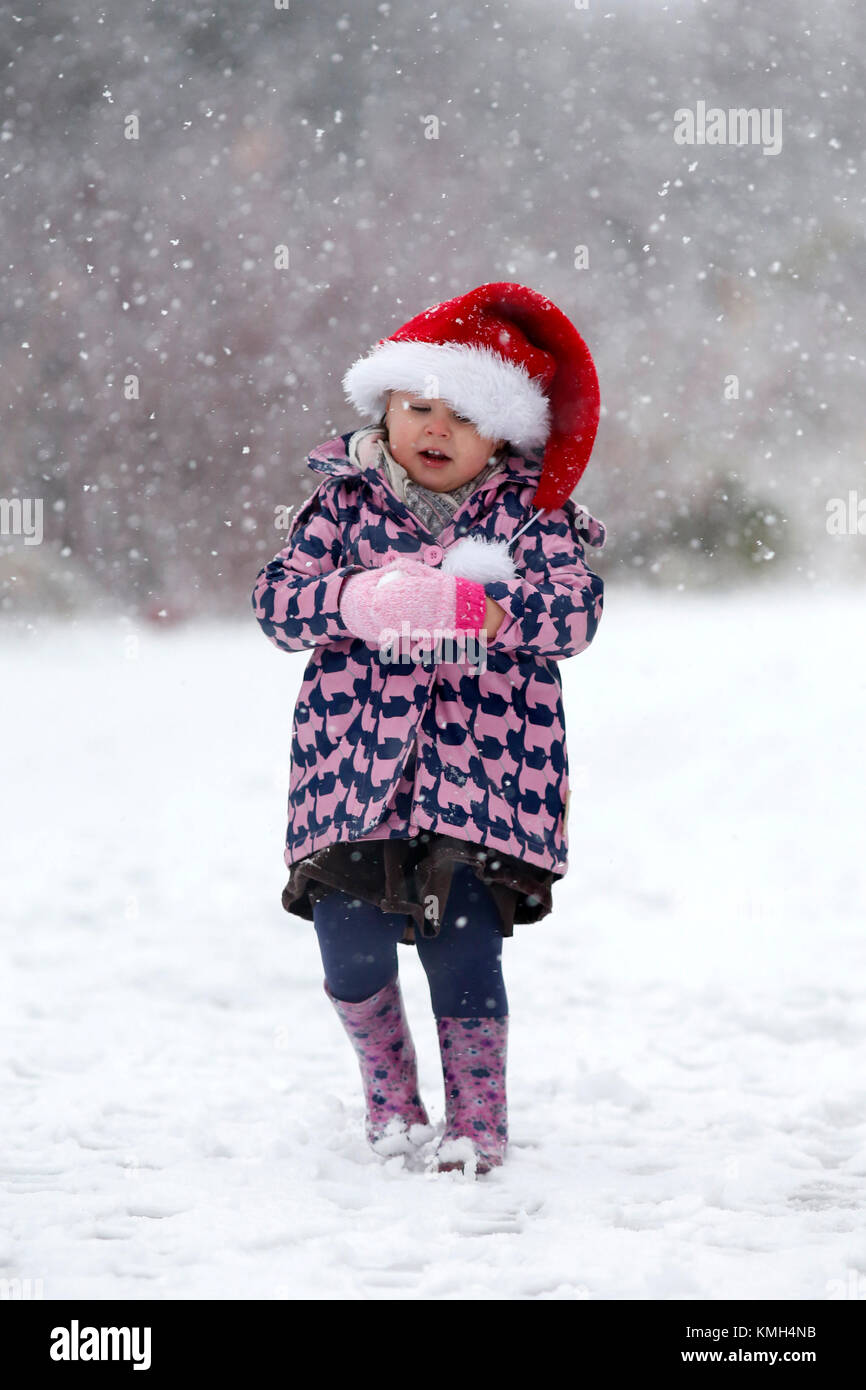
(434, 457)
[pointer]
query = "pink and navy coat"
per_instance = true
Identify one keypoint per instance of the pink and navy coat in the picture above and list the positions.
(382, 751)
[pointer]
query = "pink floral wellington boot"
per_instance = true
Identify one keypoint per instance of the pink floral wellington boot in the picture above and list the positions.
(473, 1054)
(379, 1033)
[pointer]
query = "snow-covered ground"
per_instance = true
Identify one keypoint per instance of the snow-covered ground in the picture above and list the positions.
(687, 1078)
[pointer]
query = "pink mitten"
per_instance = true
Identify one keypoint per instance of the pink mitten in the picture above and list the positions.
(410, 591)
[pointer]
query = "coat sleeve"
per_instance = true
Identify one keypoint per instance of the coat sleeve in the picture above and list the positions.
(553, 609)
(296, 595)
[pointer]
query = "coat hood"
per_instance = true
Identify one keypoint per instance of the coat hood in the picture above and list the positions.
(332, 459)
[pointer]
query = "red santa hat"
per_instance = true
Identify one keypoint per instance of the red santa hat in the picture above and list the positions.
(510, 361)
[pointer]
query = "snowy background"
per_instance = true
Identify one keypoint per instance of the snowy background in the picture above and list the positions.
(183, 1113)
(209, 211)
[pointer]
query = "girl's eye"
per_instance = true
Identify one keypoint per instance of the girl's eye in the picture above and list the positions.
(463, 419)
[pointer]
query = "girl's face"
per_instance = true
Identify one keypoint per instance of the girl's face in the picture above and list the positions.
(418, 425)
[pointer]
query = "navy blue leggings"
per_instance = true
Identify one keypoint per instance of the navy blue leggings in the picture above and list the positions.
(463, 964)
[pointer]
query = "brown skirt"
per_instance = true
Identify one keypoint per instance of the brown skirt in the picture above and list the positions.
(413, 877)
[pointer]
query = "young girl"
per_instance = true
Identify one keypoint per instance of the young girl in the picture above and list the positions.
(428, 794)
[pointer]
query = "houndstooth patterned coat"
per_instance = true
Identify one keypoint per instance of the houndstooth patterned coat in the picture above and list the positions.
(385, 750)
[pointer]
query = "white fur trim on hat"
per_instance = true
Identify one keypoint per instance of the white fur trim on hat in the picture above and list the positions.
(500, 398)
(472, 557)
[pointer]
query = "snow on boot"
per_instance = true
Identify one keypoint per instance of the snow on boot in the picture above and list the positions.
(379, 1033)
(473, 1054)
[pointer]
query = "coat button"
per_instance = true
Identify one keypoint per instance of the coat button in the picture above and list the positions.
(433, 554)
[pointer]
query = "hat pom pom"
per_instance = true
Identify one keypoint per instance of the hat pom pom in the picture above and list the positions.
(478, 559)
